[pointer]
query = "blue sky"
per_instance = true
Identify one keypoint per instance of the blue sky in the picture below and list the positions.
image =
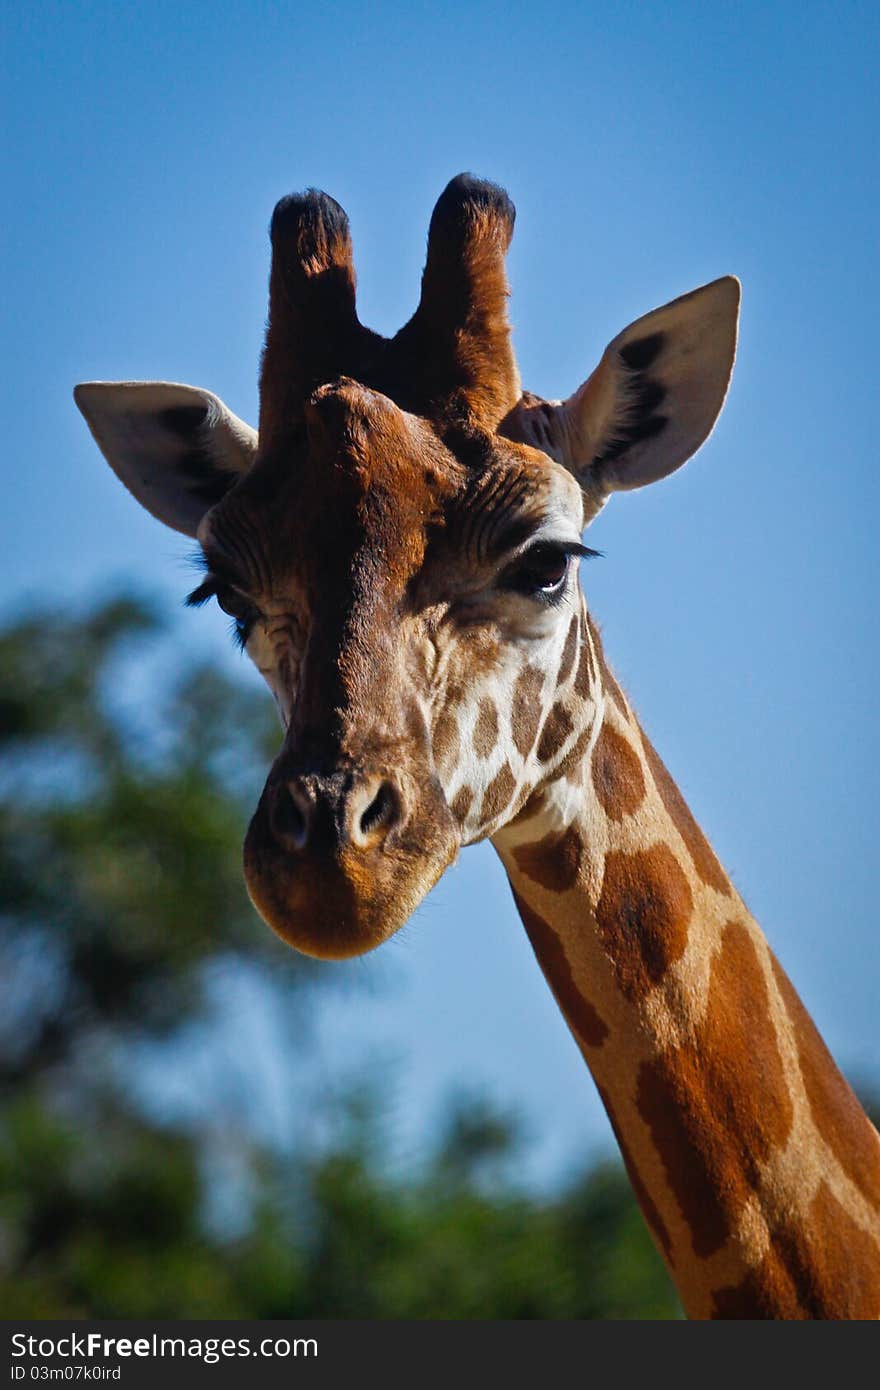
(649, 148)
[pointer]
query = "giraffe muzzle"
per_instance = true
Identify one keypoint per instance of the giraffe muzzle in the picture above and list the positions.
(320, 814)
(336, 862)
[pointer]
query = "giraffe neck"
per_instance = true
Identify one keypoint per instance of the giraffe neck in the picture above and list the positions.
(756, 1169)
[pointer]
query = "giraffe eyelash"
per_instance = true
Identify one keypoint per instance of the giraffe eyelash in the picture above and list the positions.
(242, 623)
(240, 632)
(202, 593)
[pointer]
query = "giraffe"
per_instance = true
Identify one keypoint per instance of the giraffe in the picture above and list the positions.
(398, 547)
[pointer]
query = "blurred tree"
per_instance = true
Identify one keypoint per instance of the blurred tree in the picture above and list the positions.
(121, 835)
(121, 817)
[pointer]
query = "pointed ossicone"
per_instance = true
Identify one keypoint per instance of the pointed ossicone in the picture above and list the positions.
(459, 337)
(309, 234)
(452, 362)
(651, 402)
(313, 335)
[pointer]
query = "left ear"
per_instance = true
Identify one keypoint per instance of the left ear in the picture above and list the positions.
(650, 403)
(178, 449)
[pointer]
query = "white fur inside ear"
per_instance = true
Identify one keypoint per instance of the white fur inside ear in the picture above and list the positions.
(655, 396)
(178, 449)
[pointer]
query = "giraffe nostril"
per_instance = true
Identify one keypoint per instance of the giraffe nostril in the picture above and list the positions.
(289, 820)
(380, 810)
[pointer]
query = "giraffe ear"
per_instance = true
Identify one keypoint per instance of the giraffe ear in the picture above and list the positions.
(177, 449)
(650, 403)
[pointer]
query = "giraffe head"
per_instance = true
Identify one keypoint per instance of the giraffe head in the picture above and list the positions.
(397, 545)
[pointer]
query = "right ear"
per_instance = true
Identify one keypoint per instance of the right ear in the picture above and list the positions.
(650, 403)
(178, 449)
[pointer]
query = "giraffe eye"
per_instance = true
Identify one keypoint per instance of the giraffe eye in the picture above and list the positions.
(233, 603)
(540, 573)
(230, 601)
(241, 610)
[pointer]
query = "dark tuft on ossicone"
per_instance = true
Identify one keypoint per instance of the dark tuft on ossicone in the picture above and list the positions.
(305, 217)
(466, 195)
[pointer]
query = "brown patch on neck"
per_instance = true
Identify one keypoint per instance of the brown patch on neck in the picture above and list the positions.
(525, 714)
(766, 1292)
(498, 793)
(643, 913)
(826, 1266)
(553, 862)
(582, 1017)
(655, 1222)
(718, 1107)
(557, 727)
(836, 1113)
(572, 765)
(698, 847)
(569, 651)
(445, 741)
(585, 675)
(486, 729)
(617, 775)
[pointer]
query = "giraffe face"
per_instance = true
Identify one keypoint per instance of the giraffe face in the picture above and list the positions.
(406, 593)
(397, 544)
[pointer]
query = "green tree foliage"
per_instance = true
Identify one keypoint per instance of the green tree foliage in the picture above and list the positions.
(121, 834)
(121, 818)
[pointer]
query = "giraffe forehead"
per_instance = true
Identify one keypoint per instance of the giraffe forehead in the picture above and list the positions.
(341, 500)
(371, 492)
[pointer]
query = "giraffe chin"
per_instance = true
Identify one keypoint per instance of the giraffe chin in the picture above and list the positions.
(338, 905)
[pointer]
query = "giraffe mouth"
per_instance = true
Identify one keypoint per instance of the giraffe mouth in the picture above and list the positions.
(334, 896)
